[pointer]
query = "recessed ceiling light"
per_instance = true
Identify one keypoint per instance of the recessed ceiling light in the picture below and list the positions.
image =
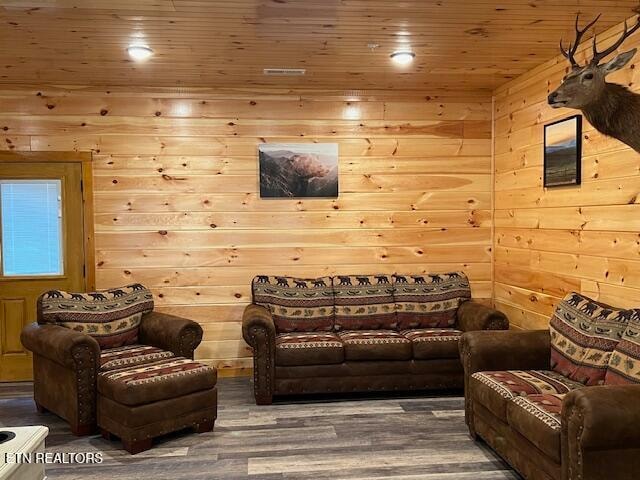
(139, 53)
(403, 57)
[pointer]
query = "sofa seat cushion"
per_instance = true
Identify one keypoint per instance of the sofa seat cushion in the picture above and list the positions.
(624, 364)
(538, 419)
(375, 345)
(364, 302)
(169, 378)
(494, 390)
(112, 317)
(296, 304)
(434, 342)
(429, 301)
(584, 333)
(308, 348)
(131, 356)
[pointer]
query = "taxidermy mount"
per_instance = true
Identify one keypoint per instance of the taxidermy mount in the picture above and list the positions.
(611, 108)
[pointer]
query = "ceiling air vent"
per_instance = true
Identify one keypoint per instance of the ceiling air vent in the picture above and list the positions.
(292, 72)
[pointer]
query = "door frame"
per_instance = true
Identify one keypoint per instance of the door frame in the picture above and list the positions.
(86, 159)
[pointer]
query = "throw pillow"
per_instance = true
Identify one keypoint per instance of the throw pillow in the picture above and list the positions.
(112, 317)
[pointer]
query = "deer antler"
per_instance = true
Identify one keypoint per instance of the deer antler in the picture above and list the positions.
(598, 56)
(573, 47)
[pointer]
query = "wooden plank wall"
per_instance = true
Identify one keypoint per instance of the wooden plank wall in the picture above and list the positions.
(176, 205)
(552, 241)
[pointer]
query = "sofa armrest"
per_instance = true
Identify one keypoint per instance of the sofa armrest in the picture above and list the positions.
(168, 332)
(609, 416)
(475, 316)
(483, 351)
(600, 434)
(259, 332)
(61, 345)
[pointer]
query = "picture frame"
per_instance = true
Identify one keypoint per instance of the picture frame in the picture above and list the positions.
(563, 152)
(298, 170)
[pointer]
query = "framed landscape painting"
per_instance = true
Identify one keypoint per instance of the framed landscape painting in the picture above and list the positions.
(299, 170)
(563, 152)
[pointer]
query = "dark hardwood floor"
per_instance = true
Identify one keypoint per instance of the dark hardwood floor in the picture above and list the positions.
(386, 437)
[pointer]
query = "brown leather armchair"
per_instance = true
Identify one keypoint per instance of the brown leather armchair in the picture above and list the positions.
(66, 363)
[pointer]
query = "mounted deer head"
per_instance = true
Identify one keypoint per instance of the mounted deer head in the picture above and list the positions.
(611, 108)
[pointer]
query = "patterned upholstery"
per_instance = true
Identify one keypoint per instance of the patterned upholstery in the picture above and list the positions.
(131, 356)
(162, 380)
(584, 333)
(513, 383)
(296, 304)
(375, 345)
(624, 364)
(430, 301)
(494, 390)
(308, 348)
(112, 317)
(538, 419)
(434, 342)
(546, 407)
(364, 302)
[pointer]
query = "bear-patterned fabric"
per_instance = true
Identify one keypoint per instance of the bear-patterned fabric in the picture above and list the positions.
(364, 302)
(296, 304)
(624, 364)
(584, 333)
(112, 317)
(430, 301)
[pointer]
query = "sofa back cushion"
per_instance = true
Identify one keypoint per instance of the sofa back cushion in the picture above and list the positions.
(364, 302)
(584, 333)
(430, 301)
(296, 304)
(624, 364)
(112, 317)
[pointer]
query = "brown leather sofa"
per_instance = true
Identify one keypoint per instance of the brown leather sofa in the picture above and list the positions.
(562, 403)
(360, 333)
(125, 389)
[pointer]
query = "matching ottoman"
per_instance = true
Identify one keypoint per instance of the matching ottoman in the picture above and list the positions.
(139, 403)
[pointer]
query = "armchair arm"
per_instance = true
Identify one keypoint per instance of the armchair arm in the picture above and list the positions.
(65, 367)
(178, 335)
(61, 345)
(505, 350)
(475, 316)
(597, 420)
(259, 332)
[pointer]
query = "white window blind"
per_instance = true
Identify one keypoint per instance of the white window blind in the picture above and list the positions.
(31, 212)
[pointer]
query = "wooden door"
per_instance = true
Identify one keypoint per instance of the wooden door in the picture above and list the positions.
(41, 248)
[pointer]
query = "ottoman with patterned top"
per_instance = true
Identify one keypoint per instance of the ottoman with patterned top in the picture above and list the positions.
(140, 401)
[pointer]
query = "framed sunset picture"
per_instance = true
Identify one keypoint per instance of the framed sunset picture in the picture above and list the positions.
(563, 152)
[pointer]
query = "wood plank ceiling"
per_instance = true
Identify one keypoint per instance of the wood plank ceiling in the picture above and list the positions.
(472, 45)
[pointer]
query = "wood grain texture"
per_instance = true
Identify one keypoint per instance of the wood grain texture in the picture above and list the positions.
(176, 200)
(470, 45)
(357, 438)
(549, 242)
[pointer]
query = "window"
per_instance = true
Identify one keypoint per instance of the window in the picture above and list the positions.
(31, 213)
